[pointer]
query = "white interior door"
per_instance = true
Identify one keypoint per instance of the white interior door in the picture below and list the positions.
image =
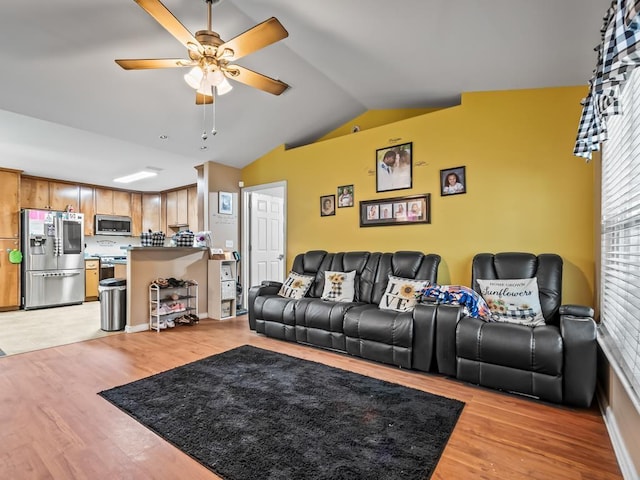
(267, 238)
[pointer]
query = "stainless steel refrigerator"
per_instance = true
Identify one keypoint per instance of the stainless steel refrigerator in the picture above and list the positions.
(53, 258)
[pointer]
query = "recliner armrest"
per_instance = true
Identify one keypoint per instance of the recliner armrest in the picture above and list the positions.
(580, 358)
(577, 310)
(447, 318)
(267, 287)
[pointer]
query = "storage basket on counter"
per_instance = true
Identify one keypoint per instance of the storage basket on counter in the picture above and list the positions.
(146, 239)
(157, 239)
(152, 239)
(183, 238)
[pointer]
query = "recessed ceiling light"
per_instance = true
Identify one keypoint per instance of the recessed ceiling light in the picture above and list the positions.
(134, 177)
(163, 137)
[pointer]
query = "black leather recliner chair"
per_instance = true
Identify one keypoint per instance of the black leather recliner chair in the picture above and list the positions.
(554, 362)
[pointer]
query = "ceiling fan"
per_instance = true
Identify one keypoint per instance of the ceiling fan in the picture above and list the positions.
(210, 57)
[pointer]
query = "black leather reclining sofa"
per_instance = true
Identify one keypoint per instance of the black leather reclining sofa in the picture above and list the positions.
(359, 327)
(555, 362)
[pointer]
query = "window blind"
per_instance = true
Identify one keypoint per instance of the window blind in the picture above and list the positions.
(620, 235)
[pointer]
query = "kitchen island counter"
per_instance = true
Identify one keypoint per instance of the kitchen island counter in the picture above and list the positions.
(145, 264)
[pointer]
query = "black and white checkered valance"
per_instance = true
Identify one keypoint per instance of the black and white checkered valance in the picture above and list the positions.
(618, 54)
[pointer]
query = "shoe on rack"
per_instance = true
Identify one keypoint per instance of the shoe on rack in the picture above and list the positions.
(160, 282)
(184, 320)
(163, 310)
(177, 307)
(170, 323)
(194, 318)
(161, 324)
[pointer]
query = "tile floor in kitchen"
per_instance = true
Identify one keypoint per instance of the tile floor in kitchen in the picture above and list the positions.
(28, 330)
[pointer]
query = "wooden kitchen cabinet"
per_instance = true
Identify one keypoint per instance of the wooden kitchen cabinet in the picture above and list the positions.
(63, 195)
(48, 195)
(88, 208)
(34, 193)
(136, 214)
(192, 214)
(171, 203)
(9, 276)
(151, 203)
(121, 203)
(177, 205)
(9, 207)
(92, 279)
(113, 202)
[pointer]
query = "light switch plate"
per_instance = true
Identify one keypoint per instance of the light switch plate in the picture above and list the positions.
(228, 243)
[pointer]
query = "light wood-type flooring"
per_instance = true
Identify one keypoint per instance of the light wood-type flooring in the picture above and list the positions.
(53, 425)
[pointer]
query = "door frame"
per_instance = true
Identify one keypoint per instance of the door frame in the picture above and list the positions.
(245, 234)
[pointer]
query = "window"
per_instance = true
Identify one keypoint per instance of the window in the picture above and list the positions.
(620, 236)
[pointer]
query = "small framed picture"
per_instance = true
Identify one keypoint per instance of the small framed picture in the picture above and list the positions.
(345, 196)
(394, 167)
(225, 203)
(453, 181)
(409, 210)
(327, 205)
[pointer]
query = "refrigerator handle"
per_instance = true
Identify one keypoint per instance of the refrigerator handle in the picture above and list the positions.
(57, 241)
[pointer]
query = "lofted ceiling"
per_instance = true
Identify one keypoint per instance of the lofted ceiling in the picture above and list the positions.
(67, 111)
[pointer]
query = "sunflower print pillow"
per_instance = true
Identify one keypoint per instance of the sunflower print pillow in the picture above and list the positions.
(514, 300)
(339, 286)
(296, 285)
(400, 294)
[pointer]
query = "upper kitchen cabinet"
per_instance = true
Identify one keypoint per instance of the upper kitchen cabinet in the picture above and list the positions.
(88, 208)
(136, 214)
(48, 195)
(192, 215)
(63, 195)
(177, 208)
(113, 202)
(9, 207)
(151, 216)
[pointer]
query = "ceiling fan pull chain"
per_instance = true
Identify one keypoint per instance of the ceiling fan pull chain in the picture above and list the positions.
(213, 125)
(204, 121)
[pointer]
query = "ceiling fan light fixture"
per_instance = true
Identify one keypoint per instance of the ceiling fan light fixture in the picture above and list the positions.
(224, 87)
(215, 77)
(194, 77)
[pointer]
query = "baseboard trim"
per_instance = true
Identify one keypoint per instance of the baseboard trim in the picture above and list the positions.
(622, 454)
(143, 327)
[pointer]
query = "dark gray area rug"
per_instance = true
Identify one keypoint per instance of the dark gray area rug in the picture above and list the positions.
(249, 413)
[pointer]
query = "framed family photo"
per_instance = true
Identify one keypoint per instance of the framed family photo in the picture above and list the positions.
(396, 211)
(453, 181)
(225, 203)
(345, 196)
(394, 167)
(327, 205)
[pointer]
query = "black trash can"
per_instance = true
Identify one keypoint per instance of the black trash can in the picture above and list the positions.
(112, 293)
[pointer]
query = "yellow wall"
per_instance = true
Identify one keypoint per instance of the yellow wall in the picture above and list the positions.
(525, 189)
(376, 118)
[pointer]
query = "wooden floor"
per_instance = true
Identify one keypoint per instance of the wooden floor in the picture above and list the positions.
(53, 425)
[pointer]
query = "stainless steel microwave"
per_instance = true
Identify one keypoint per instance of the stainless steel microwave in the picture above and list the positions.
(112, 225)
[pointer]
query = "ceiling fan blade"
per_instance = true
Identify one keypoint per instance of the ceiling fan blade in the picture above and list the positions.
(142, 64)
(256, 80)
(260, 36)
(165, 18)
(202, 99)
